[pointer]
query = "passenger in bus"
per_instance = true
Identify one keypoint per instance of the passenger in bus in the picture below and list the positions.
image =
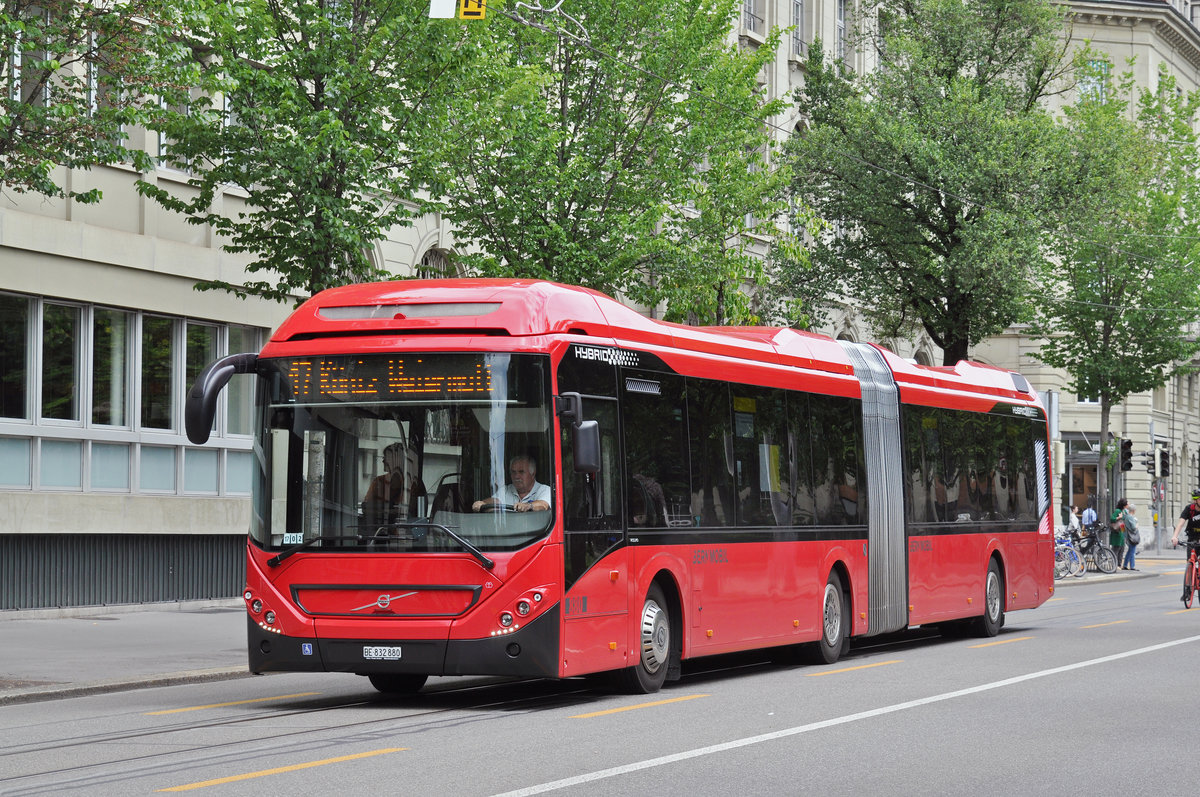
(525, 494)
(647, 502)
(396, 492)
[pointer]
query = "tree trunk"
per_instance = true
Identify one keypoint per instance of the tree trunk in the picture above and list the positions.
(957, 350)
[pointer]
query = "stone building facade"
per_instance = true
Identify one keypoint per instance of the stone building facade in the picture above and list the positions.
(103, 499)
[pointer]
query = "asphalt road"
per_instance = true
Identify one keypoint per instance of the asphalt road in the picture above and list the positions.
(1081, 696)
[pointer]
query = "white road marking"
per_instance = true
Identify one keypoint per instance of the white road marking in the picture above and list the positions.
(685, 755)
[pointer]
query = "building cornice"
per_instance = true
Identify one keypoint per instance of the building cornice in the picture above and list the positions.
(1162, 19)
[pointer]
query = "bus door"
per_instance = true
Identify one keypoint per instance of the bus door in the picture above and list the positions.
(595, 560)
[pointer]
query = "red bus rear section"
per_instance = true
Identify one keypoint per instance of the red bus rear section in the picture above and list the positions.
(529, 479)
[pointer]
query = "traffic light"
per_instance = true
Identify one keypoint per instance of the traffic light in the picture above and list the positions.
(1149, 460)
(1126, 454)
(1164, 462)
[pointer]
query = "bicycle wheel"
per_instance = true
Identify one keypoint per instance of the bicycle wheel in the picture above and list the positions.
(1078, 565)
(1189, 584)
(1106, 560)
(1062, 563)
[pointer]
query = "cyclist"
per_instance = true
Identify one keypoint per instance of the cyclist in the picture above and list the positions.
(1189, 517)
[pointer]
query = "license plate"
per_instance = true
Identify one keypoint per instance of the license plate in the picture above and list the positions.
(381, 653)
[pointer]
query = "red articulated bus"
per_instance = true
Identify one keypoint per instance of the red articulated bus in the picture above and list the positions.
(522, 478)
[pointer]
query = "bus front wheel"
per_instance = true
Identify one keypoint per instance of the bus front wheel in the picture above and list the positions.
(654, 643)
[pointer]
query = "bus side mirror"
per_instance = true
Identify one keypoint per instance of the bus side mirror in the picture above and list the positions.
(201, 404)
(585, 435)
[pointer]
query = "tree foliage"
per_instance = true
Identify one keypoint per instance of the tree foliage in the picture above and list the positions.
(635, 161)
(1126, 287)
(930, 168)
(73, 75)
(321, 114)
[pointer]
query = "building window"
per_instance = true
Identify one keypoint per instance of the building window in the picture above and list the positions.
(798, 43)
(841, 30)
(158, 373)
(110, 367)
(111, 375)
(14, 356)
(752, 16)
(60, 362)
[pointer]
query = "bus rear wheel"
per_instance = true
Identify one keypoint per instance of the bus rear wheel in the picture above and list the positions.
(397, 684)
(835, 623)
(654, 643)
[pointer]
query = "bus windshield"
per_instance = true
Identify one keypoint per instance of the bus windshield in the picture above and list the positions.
(391, 452)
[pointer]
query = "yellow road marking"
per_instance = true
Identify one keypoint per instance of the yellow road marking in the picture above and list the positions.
(1172, 573)
(1167, 586)
(231, 703)
(1102, 625)
(1002, 642)
(639, 705)
(277, 770)
(1116, 592)
(1179, 611)
(852, 669)
(1052, 600)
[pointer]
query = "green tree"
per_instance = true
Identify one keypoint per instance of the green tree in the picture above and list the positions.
(320, 113)
(1126, 287)
(73, 74)
(929, 168)
(628, 162)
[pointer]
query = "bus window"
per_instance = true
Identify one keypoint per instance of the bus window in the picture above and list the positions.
(761, 462)
(656, 441)
(711, 438)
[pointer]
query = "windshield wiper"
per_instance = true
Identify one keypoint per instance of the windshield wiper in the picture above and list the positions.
(275, 560)
(423, 524)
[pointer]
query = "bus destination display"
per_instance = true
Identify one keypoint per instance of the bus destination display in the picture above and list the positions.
(388, 378)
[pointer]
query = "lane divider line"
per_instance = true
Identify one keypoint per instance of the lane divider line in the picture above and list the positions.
(262, 773)
(1104, 625)
(1000, 642)
(230, 703)
(686, 755)
(639, 705)
(852, 669)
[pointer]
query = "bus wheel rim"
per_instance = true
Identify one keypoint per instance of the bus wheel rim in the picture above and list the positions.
(656, 637)
(832, 613)
(993, 594)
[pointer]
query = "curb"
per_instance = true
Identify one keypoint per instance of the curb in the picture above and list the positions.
(43, 692)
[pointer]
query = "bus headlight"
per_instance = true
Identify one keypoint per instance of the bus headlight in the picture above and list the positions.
(506, 619)
(523, 607)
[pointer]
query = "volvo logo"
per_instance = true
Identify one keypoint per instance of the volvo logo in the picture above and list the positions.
(382, 602)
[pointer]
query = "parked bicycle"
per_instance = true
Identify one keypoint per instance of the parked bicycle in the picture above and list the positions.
(1094, 551)
(1067, 559)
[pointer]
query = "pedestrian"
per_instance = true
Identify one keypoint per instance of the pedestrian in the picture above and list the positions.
(1133, 538)
(1090, 518)
(1073, 526)
(1116, 530)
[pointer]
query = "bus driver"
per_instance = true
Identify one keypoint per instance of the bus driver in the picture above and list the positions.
(525, 494)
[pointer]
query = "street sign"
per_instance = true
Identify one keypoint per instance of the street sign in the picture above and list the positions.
(471, 9)
(442, 9)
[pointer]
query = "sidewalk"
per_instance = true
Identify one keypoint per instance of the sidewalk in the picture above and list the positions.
(47, 654)
(53, 653)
